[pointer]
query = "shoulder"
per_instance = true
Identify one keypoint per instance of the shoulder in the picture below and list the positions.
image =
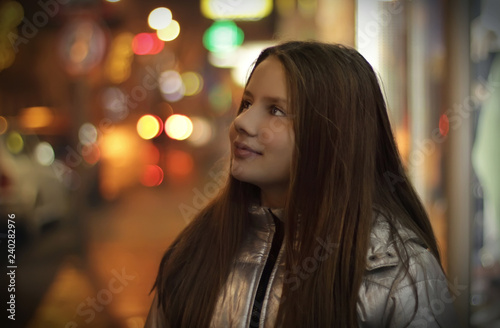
(402, 279)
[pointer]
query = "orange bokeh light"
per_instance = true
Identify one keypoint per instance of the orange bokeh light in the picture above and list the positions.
(179, 163)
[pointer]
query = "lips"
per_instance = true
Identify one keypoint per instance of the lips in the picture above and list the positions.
(242, 150)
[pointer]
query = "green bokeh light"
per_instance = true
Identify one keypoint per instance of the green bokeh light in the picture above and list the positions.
(223, 36)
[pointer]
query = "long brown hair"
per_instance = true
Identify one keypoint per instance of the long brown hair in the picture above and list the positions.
(345, 164)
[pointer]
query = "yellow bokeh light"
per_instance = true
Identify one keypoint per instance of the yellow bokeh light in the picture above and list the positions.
(11, 13)
(193, 83)
(15, 142)
(149, 127)
(285, 7)
(120, 58)
(159, 18)
(170, 32)
(36, 117)
(7, 56)
(178, 127)
(3, 125)
(243, 10)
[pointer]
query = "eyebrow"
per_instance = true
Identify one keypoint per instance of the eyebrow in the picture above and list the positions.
(281, 101)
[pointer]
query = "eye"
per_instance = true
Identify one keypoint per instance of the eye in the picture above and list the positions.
(276, 111)
(245, 104)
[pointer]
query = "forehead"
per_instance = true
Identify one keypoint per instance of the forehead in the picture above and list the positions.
(268, 78)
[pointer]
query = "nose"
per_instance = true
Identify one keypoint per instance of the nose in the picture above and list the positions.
(248, 122)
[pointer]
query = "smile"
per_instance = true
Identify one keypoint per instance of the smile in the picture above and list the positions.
(243, 151)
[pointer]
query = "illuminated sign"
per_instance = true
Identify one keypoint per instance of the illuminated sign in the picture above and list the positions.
(236, 9)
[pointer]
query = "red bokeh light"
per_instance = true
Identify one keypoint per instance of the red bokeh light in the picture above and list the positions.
(91, 154)
(147, 44)
(444, 125)
(152, 176)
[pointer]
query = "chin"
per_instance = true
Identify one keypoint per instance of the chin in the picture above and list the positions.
(238, 173)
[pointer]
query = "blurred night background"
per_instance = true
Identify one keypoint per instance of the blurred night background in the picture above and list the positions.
(113, 133)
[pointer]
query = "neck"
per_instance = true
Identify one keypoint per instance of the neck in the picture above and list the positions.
(273, 198)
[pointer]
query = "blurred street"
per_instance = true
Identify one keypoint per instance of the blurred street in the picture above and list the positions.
(98, 272)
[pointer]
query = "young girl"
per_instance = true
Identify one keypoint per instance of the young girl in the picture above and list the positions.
(317, 225)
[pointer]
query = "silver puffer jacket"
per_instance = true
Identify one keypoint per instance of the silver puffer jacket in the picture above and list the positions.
(387, 298)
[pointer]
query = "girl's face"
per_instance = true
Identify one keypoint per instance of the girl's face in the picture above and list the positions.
(262, 137)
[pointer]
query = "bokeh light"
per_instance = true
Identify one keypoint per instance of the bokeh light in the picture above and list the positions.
(223, 36)
(242, 60)
(149, 126)
(285, 7)
(159, 18)
(15, 142)
(146, 44)
(87, 134)
(193, 83)
(120, 162)
(120, 58)
(81, 45)
(11, 14)
(158, 45)
(179, 163)
(152, 176)
(178, 127)
(114, 102)
(171, 85)
(169, 33)
(238, 10)
(44, 153)
(4, 125)
(91, 154)
(444, 125)
(175, 96)
(36, 117)
(142, 43)
(202, 132)
(170, 81)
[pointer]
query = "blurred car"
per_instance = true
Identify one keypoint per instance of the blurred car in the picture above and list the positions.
(28, 189)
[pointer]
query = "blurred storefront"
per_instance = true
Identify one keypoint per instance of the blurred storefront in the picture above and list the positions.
(126, 101)
(437, 63)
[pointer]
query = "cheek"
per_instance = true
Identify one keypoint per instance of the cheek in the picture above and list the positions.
(283, 145)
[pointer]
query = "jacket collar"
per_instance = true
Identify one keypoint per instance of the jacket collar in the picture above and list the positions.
(384, 249)
(382, 244)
